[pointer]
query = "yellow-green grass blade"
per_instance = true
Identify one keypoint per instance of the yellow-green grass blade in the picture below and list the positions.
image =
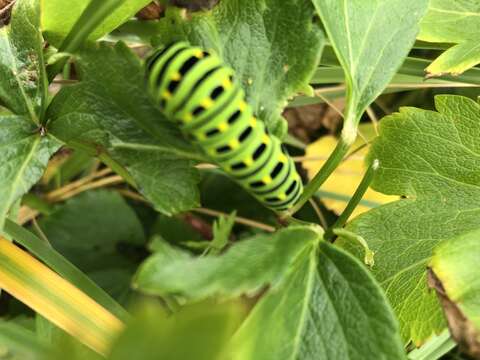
(62, 266)
(31, 282)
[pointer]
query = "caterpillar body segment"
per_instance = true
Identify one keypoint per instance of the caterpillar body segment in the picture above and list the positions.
(197, 90)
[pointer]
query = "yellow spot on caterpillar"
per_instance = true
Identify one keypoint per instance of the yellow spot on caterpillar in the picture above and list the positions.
(227, 84)
(266, 139)
(282, 158)
(242, 106)
(250, 81)
(267, 179)
(167, 95)
(223, 127)
(253, 122)
(187, 117)
(200, 136)
(176, 76)
(207, 103)
(234, 143)
(248, 161)
(282, 196)
(198, 54)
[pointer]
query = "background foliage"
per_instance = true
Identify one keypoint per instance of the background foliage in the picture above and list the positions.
(106, 206)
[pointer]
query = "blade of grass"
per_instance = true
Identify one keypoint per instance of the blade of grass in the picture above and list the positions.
(43, 290)
(411, 66)
(61, 265)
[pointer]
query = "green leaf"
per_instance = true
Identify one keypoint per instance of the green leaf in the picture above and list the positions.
(329, 307)
(58, 20)
(273, 45)
(245, 267)
(18, 343)
(110, 113)
(460, 24)
(23, 87)
(371, 40)
(197, 332)
(432, 159)
(459, 19)
(25, 155)
(99, 233)
(456, 60)
(457, 279)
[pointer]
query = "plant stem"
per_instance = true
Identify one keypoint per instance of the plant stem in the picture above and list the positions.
(94, 14)
(330, 165)
(354, 201)
(238, 219)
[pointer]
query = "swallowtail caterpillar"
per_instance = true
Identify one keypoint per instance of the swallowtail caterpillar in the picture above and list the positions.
(195, 89)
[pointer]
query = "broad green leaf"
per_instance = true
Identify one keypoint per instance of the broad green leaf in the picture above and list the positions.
(371, 40)
(31, 282)
(109, 113)
(457, 22)
(431, 159)
(99, 233)
(18, 343)
(25, 154)
(455, 268)
(329, 307)
(58, 19)
(23, 84)
(273, 45)
(246, 267)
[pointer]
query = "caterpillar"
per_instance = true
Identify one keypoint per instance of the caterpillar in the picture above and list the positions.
(196, 90)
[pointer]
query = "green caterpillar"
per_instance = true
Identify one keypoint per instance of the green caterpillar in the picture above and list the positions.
(197, 90)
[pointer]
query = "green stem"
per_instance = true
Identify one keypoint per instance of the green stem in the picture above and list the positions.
(349, 133)
(62, 266)
(355, 199)
(94, 14)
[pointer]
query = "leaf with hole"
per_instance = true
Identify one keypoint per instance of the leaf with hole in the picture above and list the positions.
(23, 87)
